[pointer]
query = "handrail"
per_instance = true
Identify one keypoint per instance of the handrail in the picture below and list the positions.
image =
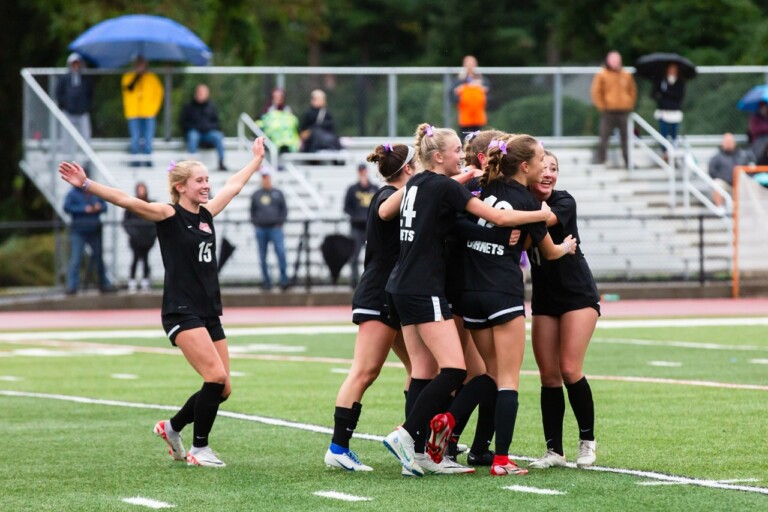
(689, 189)
(244, 120)
(668, 166)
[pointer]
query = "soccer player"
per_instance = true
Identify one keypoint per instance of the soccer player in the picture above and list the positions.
(494, 294)
(191, 294)
(417, 284)
(565, 307)
(378, 330)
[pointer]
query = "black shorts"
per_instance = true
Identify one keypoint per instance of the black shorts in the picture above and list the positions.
(551, 305)
(419, 309)
(486, 309)
(453, 296)
(381, 313)
(176, 323)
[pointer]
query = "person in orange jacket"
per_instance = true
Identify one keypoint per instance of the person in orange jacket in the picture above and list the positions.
(614, 94)
(470, 91)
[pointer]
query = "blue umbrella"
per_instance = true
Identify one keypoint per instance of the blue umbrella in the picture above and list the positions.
(118, 41)
(750, 101)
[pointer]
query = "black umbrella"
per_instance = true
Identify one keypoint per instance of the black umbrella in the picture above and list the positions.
(654, 65)
(337, 249)
(226, 252)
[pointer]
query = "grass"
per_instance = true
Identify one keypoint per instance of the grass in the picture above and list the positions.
(64, 455)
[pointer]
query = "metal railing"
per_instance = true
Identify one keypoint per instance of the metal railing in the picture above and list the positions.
(668, 165)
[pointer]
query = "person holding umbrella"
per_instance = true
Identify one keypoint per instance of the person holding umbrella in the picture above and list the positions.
(142, 99)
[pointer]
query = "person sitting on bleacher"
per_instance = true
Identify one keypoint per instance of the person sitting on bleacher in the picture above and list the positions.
(316, 129)
(200, 123)
(279, 123)
(721, 166)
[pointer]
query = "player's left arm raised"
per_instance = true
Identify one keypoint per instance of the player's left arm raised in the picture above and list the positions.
(237, 181)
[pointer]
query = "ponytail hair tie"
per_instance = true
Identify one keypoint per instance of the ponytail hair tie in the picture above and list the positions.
(471, 135)
(388, 147)
(428, 130)
(499, 144)
(171, 166)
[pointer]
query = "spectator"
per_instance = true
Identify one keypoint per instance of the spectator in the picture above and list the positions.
(200, 123)
(721, 167)
(356, 204)
(141, 237)
(142, 99)
(614, 94)
(268, 213)
(279, 123)
(758, 129)
(74, 93)
(85, 229)
(669, 92)
(470, 92)
(316, 128)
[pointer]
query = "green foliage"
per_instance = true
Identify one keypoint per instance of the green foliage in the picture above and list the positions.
(27, 261)
(533, 114)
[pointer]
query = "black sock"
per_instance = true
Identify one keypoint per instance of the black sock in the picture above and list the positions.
(206, 407)
(486, 423)
(506, 415)
(405, 394)
(186, 414)
(429, 403)
(552, 412)
(345, 423)
(470, 396)
(580, 397)
(415, 389)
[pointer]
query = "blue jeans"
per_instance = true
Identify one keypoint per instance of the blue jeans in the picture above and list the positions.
(77, 242)
(142, 130)
(668, 130)
(215, 137)
(263, 237)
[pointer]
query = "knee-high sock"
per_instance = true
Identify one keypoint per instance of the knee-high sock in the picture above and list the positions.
(472, 394)
(580, 396)
(429, 403)
(345, 423)
(486, 423)
(206, 407)
(414, 390)
(186, 414)
(506, 415)
(552, 412)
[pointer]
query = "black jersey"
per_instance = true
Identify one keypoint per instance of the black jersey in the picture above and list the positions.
(496, 267)
(381, 249)
(568, 277)
(427, 213)
(188, 246)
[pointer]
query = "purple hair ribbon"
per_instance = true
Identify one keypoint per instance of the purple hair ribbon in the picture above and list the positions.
(428, 130)
(499, 144)
(388, 147)
(171, 165)
(471, 135)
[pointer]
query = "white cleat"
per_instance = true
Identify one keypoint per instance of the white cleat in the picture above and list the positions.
(346, 460)
(445, 467)
(173, 439)
(551, 459)
(203, 457)
(401, 444)
(587, 455)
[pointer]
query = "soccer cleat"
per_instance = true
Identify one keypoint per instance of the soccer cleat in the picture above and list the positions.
(509, 468)
(344, 458)
(442, 427)
(173, 439)
(445, 467)
(400, 443)
(587, 455)
(480, 459)
(203, 457)
(551, 459)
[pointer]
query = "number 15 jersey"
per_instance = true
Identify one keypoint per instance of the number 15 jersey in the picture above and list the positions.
(188, 246)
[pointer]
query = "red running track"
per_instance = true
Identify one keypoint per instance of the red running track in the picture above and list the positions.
(343, 314)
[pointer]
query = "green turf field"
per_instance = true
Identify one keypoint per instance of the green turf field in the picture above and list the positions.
(680, 410)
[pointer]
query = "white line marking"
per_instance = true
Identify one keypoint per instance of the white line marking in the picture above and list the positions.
(344, 371)
(371, 437)
(340, 496)
(44, 352)
(533, 490)
(681, 344)
(146, 502)
(124, 376)
(758, 361)
(9, 378)
(669, 364)
(233, 373)
(265, 347)
(730, 481)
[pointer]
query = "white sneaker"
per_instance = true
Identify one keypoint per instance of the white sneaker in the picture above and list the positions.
(587, 455)
(551, 459)
(203, 457)
(173, 439)
(145, 285)
(131, 286)
(347, 460)
(445, 467)
(401, 444)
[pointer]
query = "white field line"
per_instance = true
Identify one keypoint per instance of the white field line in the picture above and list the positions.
(665, 364)
(124, 376)
(533, 490)
(392, 364)
(340, 496)
(729, 481)
(681, 344)
(146, 502)
(370, 437)
(758, 361)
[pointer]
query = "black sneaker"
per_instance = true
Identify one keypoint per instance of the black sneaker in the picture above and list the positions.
(483, 459)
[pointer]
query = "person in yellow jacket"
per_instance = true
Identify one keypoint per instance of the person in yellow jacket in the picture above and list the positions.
(614, 94)
(142, 99)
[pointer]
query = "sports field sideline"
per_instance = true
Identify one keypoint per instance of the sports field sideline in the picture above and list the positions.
(680, 387)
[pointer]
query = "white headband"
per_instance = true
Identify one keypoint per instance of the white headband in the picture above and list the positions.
(408, 158)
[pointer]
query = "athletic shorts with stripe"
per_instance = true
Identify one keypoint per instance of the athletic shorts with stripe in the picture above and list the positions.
(381, 312)
(175, 323)
(482, 310)
(420, 309)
